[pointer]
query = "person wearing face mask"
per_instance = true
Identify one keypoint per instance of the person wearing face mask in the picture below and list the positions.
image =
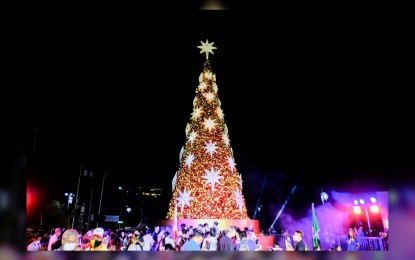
(35, 245)
(298, 238)
(194, 243)
(286, 241)
(96, 242)
(70, 241)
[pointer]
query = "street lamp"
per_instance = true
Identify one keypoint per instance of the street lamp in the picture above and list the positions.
(367, 216)
(128, 210)
(70, 198)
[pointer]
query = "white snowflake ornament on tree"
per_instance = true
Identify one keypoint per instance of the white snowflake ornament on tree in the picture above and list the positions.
(188, 127)
(192, 137)
(202, 86)
(225, 138)
(215, 87)
(208, 75)
(212, 177)
(211, 147)
(238, 199)
(183, 199)
(189, 160)
(194, 101)
(219, 112)
(231, 163)
(181, 154)
(197, 112)
(209, 96)
(173, 183)
(209, 124)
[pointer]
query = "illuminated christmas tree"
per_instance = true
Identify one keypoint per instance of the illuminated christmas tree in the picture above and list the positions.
(207, 184)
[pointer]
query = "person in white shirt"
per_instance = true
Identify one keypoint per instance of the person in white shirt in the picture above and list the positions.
(54, 238)
(148, 240)
(35, 245)
(250, 233)
(168, 241)
(160, 238)
(210, 243)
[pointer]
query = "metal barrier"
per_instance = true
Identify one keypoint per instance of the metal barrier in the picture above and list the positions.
(327, 242)
(365, 243)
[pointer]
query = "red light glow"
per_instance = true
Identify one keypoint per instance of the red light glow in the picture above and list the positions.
(28, 199)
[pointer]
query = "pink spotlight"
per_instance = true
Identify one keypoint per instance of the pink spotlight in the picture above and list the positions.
(357, 210)
(374, 209)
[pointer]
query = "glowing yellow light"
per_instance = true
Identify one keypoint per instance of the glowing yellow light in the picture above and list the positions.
(374, 209)
(357, 210)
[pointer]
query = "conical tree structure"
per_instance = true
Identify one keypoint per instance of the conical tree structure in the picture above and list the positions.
(207, 184)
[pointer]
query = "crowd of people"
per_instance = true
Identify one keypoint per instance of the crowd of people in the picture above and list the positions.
(142, 238)
(188, 238)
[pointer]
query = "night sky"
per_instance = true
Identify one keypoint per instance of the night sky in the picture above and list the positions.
(300, 105)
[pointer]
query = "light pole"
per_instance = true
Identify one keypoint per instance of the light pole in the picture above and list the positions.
(89, 211)
(121, 189)
(362, 202)
(77, 191)
(128, 209)
(100, 200)
(70, 199)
